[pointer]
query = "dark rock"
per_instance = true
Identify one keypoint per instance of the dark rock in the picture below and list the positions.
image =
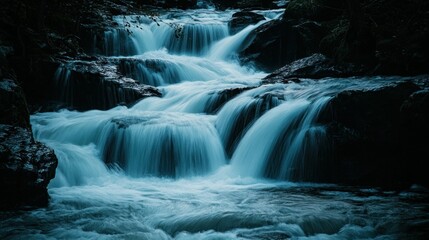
(316, 66)
(279, 42)
(242, 19)
(378, 136)
(13, 107)
(182, 4)
(242, 4)
(247, 115)
(87, 85)
(36, 81)
(414, 131)
(222, 97)
(317, 10)
(26, 167)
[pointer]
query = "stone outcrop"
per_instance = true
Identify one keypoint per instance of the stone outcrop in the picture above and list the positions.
(280, 42)
(315, 66)
(26, 166)
(85, 85)
(379, 136)
(242, 19)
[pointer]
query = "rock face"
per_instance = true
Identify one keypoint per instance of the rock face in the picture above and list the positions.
(315, 66)
(87, 85)
(279, 42)
(26, 166)
(379, 136)
(242, 19)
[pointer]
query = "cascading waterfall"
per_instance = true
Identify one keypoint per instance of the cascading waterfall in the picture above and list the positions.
(198, 162)
(175, 136)
(291, 142)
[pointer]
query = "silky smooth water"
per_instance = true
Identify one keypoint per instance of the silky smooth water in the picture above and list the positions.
(211, 158)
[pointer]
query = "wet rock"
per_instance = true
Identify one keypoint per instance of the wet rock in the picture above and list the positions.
(315, 66)
(26, 167)
(280, 42)
(242, 4)
(87, 85)
(222, 97)
(378, 135)
(242, 19)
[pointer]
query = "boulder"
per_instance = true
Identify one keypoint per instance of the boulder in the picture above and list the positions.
(315, 66)
(242, 19)
(379, 136)
(85, 85)
(26, 167)
(280, 42)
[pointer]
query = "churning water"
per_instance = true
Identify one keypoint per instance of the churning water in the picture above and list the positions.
(208, 160)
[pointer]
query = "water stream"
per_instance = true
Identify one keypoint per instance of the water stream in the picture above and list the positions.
(199, 162)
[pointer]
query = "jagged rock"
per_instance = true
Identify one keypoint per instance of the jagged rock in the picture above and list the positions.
(26, 167)
(87, 85)
(315, 66)
(13, 108)
(242, 19)
(379, 136)
(279, 42)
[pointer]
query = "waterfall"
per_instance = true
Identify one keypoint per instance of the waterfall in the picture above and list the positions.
(218, 155)
(282, 142)
(191, 39)
(212, 110)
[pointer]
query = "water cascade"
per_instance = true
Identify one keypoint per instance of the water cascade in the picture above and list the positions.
(198, 162)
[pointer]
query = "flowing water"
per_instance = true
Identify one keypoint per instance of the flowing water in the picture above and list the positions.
(211, 158)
